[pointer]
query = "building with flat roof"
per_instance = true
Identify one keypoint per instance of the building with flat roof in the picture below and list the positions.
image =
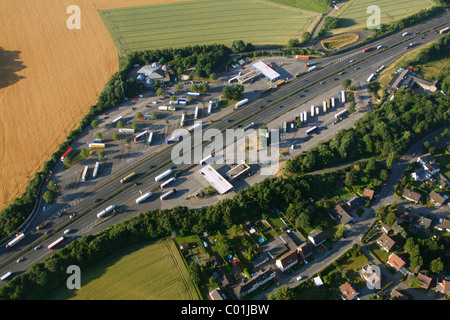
(215, 179)
(237, 170)
(266, 71)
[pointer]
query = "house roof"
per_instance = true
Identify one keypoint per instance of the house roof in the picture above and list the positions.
(445, 224)
(396, 295)
(386, 242)
(424, 280)
(306, 249)
(216, 294)
(424, 222)
(395, 261)
(260, 277)
(342, 214)
(318, 236)
(287, 258)
(426, 158)
(411, 195)
(354, 202)
(368, 193)
(420, 174)
(348, 291)
(386, 228)
(437, 198)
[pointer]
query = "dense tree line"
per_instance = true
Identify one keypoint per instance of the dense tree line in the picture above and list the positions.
(387, 132)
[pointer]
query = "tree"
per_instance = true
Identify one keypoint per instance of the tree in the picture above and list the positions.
(284, 293)
(195, 273)
(179, 86)
(134, 126)
(138, 115)
(160, 92)
(49, 197)
(173, 98)
(238, 46)
(437, 266)
(223, 246)
(340, 232)
(98, 135)
(119, 124)
(346, 83)
(292, 43)
(390, 159)
(52, 186)
(352, 107)
(101, 154)
(204, 87)
(127, 140)
(115, 137)
(213, 76)
(94, 124)
(390, 218)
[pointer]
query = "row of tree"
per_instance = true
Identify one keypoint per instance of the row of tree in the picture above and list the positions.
(386, 132)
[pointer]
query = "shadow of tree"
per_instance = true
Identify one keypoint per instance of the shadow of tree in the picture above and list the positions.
(9, 66)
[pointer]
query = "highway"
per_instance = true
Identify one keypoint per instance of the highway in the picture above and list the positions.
(288, 95)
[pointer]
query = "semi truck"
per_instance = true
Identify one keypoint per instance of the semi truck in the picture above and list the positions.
(174, 139)
(116, 120)
(240, 103)
(97, 141)
(56, 242)
(140, 135)
(249, 126)
(163, 108)
(167, 194)
(96, 167)
(312, 111)
(166, 183)
(6, 276)
(127, 130)
(193, 94)
(445, 30)
(85, 173)
(127, 177)
(143, 197)
(203, 161)
(371, 77)
(194, 126)
(149, 140)
(340, 113)
(367, 49)
(19, 237)
(163, 175)
(105, 211)
(183, 116)
(196, 113)
(66, 154)
(311, 130)
(210, 106)
(332, 103)
(41, 226)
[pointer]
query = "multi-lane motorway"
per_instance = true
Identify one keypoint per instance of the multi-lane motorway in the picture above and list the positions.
(260, 111)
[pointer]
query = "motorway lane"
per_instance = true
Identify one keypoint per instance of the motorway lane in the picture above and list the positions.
(244, 114)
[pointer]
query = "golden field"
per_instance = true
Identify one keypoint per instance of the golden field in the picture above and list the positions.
(50, 76)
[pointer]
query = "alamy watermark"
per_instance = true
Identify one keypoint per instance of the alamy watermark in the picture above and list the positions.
(241, 145)
(374, 21)
(74, 20)
(74, 280)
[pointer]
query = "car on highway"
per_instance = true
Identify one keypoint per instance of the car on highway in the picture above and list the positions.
(37, 247)
(20, 259)
(356, 68)
(231, 120)
(322, 82)
(335, 79)
(299, 278)
(280, 107)
(72, 215)
(351, 61)
(67, 231)
(97, 200)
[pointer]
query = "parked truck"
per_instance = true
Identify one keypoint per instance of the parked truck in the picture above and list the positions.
(143, 197)
(19, 237)
(163, 175)
(240, 103)
(105, 211)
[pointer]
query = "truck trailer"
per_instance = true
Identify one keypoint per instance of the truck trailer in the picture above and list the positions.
(105, 211)
(143, 197)
(163, 175)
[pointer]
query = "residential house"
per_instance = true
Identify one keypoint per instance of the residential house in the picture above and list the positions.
(443, 285)
(287, 260)
(411, 195)
(368, 273)
(386, 229)
(305, 250)
(385, 242)
(423, 223)
(216, 294)
(397, 263)
(340, 213)
(260, 259)
(274, 247)
(369, 193)
(426, 158)
(256, 281)
(227, 280)
(317, 237)
(424, 280)
(444, 225)
(348, 291)
(437, 199)
(403, 216)
(420, 175)
(354, 203)
(396, 295)
(431, 168)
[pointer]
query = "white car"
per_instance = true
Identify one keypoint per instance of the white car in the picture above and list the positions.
(67, 231)
(299, 278)
(20, 259)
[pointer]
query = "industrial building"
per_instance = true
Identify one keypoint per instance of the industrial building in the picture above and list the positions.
(266, 71)
(219, 183)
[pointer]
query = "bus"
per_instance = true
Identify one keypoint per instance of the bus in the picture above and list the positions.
(128, 177)
(97, 166)
(311, 130)
(56, 242)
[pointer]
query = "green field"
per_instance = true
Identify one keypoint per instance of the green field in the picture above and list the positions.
(353, 14)
(259, 22)
(145, 271)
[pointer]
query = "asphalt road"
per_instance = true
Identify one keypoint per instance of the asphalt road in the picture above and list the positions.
(289, 96)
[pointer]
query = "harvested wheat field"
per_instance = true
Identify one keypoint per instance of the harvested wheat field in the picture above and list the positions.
(49, 78)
